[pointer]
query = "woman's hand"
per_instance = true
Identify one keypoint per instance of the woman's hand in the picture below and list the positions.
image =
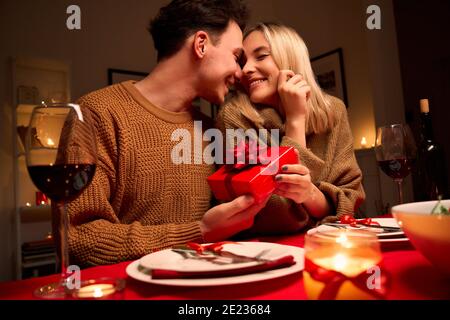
(295, 183)
(294, 94)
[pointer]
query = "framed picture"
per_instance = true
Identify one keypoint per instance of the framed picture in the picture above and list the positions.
(330, 75)
(119, 75)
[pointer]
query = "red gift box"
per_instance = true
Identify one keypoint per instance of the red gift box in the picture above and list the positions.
(231, 181)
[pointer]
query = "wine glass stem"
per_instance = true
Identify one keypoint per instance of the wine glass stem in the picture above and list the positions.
(400, 190)
(64, 254)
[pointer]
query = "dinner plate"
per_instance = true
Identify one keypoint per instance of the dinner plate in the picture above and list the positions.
(383, 236)
(173, 261)
(176, 261)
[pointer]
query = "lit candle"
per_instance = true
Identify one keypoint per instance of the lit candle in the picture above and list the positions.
(50, 142)
(95, 291)
(101, 288)
(334, 260)
(363, 143)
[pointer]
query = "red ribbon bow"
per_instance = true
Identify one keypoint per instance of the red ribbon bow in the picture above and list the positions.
(333, 281)
(350, 220)
(249, 152)
(215, 247)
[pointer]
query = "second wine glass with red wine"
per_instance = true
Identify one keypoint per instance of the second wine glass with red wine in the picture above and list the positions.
(396, 151)
(61, 157)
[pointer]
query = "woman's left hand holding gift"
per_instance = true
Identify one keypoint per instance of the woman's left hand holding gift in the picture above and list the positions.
(294, 182)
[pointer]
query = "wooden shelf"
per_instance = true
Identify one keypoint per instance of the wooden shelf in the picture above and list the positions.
(35, 213)
(44, 262)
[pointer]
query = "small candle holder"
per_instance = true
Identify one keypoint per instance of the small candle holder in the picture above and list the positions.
(104, 288)
(343, 265)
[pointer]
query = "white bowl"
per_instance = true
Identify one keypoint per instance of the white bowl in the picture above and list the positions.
(429, 234)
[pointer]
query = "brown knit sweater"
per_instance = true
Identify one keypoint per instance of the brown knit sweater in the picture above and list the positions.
(329, 157)
(139, 201)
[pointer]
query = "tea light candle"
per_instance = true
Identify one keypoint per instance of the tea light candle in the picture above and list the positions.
(336, 258)
(363, 142)
(101, 288)
(95, 291)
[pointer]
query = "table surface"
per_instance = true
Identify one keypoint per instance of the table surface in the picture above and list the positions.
(413, 277)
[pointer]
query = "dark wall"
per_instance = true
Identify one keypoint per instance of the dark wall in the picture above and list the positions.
(423, 32)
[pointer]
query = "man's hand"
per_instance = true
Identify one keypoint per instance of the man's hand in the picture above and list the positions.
(227, 219)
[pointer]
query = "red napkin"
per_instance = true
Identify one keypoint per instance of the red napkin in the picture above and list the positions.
(282, 262)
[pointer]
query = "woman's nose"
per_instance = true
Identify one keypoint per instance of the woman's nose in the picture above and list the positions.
(248, 68)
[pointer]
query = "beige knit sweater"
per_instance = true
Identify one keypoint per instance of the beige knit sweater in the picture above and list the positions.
(139, 200)
(329, 157)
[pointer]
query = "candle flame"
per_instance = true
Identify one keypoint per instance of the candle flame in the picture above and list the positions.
(340, 262)
(50, 142)
(363, 142)
(344, 241)
(98, 293)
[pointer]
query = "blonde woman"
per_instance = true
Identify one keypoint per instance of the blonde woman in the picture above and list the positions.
(279, 91)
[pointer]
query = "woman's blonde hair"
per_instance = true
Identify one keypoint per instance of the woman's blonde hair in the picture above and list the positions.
(290, 52)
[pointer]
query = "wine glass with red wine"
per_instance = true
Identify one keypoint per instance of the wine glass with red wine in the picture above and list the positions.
(396, 152)
(61, 157)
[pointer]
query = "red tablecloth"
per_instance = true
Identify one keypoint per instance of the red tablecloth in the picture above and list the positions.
(413, 277)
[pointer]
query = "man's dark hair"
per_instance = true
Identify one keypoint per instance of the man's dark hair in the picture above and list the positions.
(182, 18)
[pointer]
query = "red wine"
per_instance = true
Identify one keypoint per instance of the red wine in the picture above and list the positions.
(62, 182)
(396, 168)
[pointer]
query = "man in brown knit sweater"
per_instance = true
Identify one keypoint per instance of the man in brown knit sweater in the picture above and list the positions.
(139, 200)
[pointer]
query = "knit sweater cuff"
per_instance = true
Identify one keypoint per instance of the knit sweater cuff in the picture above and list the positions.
(336, 195)
(184, 233)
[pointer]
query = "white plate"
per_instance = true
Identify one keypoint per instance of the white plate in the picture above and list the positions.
(254, 247)
(388, 222)
(170, 260)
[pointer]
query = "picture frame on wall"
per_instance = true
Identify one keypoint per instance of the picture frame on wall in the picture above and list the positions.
(120, 75)
(330, 75)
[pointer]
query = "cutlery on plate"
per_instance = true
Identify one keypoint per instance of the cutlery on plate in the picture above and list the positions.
(360, 226)
(212, 256)
(283, 262)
